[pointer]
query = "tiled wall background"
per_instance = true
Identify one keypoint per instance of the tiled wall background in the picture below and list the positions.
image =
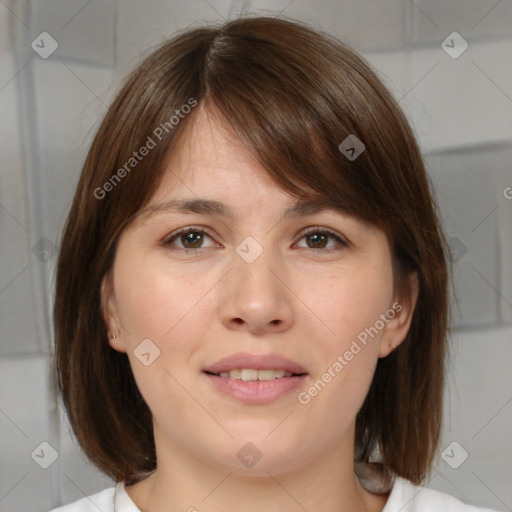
(460, 107)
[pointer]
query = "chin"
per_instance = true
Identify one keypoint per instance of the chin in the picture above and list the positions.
(257, 456)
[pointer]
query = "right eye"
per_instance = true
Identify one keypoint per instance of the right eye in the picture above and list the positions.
(189, 238)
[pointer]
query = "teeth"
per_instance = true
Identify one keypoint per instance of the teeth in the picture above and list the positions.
(267, 375)
(235, 374)
(247, 374)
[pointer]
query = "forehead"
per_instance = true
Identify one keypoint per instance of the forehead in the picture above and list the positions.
(209, 170)
(208, 158)
(207, 145)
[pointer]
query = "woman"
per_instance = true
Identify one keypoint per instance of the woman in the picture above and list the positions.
(251, 303)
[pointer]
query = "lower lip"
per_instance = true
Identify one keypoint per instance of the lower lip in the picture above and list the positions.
(256, 392)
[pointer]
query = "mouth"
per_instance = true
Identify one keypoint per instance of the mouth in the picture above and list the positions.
(255, 379)
(250, 374)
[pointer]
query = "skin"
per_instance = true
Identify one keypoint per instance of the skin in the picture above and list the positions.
(197, 306)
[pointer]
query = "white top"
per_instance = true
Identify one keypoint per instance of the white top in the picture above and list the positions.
(404, 497)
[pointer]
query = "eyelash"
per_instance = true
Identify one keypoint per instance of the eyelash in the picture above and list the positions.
(342, 244)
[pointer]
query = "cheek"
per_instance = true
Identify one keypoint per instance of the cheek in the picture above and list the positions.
(354, 302)
(169, 310)
(174, 311)
(154, 303)
(350, 307)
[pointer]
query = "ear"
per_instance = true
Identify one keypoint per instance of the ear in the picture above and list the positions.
(108, 309)
(400, 316)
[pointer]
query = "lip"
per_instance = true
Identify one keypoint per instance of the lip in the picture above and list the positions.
(255, 392)
(255, 362)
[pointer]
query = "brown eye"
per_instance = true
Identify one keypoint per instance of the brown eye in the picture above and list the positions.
(188, 239)
(320, 238)
(317, 240)
(192, 239)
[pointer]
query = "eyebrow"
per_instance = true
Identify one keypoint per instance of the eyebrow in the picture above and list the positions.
(301, 208)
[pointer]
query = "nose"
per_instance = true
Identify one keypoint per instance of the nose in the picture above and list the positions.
(256, 297)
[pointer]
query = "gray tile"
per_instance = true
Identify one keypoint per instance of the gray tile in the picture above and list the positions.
(79, 476)
(24, 425)
(468, 99)
(368, 25)
(68, 115)
(18, 326)
(503, 180)
(83, 30)
(432, 20)
(10, 69)
(465, 182)
(479, 417)
(13, 250)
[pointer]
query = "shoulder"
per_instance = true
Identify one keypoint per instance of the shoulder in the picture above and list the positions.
(407, 497)
(103, 500)
(113, 499)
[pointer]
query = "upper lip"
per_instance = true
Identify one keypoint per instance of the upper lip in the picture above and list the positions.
(255, 362)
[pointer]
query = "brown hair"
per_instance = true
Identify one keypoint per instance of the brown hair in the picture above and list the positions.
(292, 95)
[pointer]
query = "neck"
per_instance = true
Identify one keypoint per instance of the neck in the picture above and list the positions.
(186, 482)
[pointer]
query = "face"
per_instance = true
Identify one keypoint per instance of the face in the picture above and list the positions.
(197, 294)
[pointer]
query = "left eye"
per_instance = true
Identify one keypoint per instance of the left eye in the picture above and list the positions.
(319, 238)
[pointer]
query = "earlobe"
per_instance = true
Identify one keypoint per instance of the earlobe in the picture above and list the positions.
(109, 315)
(398, 326)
